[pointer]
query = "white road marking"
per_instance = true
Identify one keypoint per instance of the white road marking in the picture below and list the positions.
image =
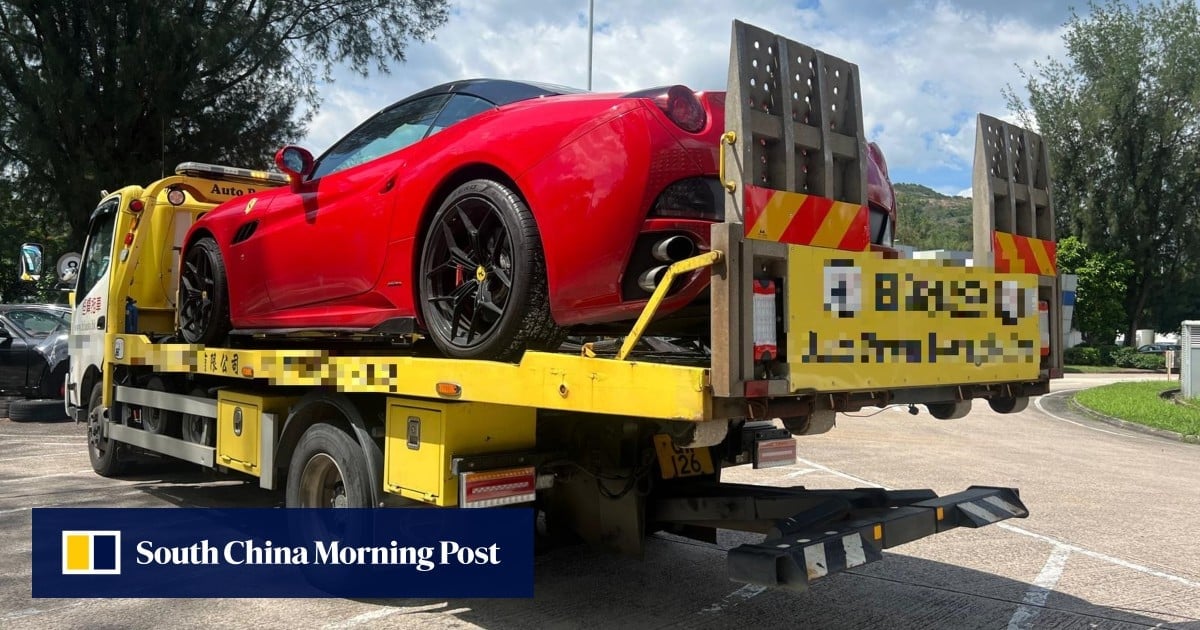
(798, 473)
(1100, 556)
(66, 474)
(42, 455)
(1024, 532)
(1039, 591)
(1037, 402)
(841, 474)
(381, 613)
(38, 435)
(51, 505)
(744, 594)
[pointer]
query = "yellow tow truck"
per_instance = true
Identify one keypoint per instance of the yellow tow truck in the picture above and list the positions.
(611, 447)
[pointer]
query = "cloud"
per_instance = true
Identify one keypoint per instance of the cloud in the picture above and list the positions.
(926, 67)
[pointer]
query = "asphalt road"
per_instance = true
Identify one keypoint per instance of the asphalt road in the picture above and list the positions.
(1111, 542)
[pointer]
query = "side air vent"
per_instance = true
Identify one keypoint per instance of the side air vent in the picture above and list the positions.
(245, 232)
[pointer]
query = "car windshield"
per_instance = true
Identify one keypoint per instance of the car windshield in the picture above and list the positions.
(39, 323)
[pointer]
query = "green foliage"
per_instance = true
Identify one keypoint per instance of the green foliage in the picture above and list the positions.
(1121, 116)
(1103, 283)
(1142, 402)
(102, 94)
(927, 219)
(23, 222)
(1081, 355)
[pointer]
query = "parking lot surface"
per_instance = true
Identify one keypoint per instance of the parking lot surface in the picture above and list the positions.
(1111, 541)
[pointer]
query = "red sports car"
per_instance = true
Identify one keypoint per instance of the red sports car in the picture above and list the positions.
(492, 215)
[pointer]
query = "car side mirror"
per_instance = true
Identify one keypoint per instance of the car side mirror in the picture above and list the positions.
(31, 262)
(296, 162)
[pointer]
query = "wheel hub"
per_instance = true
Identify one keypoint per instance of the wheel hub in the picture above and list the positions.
(481, 274)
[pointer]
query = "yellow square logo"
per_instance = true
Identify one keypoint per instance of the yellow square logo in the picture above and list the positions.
(91, 552)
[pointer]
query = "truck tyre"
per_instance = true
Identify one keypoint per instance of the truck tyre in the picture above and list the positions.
(203, 294)
(328, 469)
(160, 421)
(949, 410)
(1007, 404)
(198, 429)
(108, 456)
(482, 277)
(42, 410)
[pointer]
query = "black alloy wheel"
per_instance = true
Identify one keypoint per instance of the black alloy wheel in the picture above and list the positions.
(482, 276)
(203, 297)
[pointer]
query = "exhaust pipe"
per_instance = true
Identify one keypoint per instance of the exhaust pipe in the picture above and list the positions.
(674, 249)
(650, 278)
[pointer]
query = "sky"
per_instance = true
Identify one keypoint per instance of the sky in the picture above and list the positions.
(927, 67)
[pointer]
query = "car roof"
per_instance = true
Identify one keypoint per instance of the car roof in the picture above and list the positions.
(4, 308)
(498, 91)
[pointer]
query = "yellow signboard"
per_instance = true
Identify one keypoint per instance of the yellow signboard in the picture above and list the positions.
(856, 321)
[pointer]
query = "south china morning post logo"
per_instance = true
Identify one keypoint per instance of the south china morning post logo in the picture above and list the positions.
(203, 552)
(91, 552)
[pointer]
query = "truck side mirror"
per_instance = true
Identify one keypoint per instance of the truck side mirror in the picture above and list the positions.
(31, 262)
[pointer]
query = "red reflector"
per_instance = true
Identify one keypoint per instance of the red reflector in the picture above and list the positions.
(129, 238)
(771, 453)
(757, 389)
(497, 487)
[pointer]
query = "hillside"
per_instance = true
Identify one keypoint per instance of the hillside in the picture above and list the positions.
(928, 219)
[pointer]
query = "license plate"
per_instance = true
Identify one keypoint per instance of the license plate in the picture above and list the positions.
(681, 462)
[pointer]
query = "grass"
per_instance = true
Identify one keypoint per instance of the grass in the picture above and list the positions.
(1105, 369)
(1140, 402)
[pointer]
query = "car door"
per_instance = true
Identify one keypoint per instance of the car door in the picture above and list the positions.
(14, 358)
(328, 240)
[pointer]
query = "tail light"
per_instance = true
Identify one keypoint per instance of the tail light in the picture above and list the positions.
(497, 487)
(680, 104)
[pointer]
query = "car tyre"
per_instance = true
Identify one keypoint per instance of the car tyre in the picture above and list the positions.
(203, 294)
(42, 410)
(482, 277)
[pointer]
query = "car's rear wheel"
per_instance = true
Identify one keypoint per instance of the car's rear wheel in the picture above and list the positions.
(203, 294)
(482, 276)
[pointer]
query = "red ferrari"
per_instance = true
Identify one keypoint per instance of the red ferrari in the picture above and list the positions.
(491, 215)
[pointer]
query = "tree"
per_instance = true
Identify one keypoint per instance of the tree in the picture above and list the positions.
(23, 222)
(106, 93)
(1102, 284)
(1121, 116)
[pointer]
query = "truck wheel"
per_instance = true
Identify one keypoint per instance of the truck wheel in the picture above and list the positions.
(44, 410)
(1008, 404)
(328, 469)
(949, 410)
(108, 456)
(198, 429)
(159, 421)
(203, 294)
(482, 277)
